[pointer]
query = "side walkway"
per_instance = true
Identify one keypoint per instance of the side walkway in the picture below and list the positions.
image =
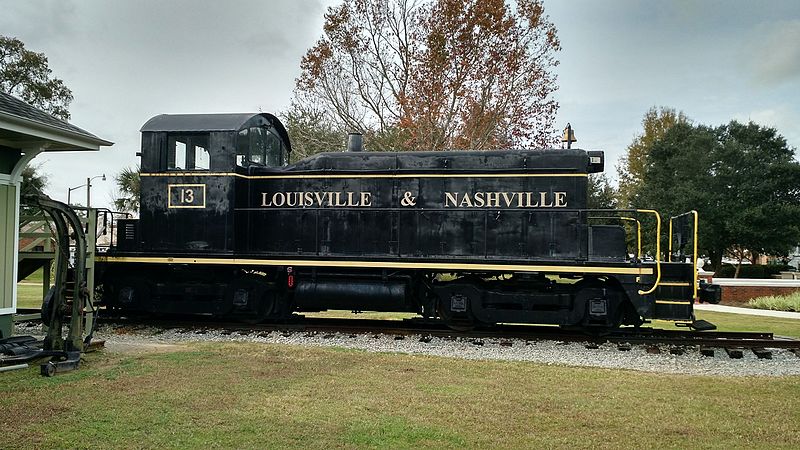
(750, 311)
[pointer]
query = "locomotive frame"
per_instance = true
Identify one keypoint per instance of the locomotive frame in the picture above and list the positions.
(228, 228)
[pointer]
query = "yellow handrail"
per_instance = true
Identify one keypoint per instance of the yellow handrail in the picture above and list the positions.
(694, 255)
(669, 252)
(694, 245)
(658, 249)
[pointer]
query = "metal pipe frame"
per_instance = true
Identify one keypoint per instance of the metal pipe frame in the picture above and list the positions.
(658, 249)
(638, 231)
(695, 224)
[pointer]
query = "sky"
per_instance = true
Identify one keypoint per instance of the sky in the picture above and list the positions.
(128, 61)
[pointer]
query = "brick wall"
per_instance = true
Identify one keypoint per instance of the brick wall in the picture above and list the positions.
(737, 295)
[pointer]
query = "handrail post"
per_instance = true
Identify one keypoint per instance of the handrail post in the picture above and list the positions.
(669, 255)
(638, 231)
(695, 233)
(694, 254)
(639, 239)
(658, 250)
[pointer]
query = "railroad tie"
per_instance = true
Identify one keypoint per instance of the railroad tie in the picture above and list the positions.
(734, 353)
(762, 353)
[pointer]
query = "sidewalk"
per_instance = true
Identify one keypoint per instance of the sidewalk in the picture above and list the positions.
(750, 311)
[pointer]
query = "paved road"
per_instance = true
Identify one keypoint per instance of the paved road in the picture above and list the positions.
(750, 311)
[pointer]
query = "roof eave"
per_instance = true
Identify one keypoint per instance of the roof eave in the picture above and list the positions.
(46, 132)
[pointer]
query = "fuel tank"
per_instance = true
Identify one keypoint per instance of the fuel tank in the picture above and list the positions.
(354, 295)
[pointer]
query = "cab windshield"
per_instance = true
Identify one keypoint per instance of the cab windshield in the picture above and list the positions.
(261, 146)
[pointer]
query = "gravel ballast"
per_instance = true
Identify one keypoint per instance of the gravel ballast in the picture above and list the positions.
(691, 362)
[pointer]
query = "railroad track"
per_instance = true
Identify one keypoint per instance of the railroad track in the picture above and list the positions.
(732, 342)
(706, 340)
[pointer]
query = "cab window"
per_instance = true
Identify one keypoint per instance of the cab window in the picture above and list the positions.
(260, 146)
(188, 152)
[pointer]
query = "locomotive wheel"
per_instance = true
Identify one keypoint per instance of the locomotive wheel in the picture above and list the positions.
(132, 293)
(251, 300)
(456, 321)
(611, 306)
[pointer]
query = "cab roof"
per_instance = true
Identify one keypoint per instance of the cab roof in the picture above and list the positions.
(201, 122)
(213, 122)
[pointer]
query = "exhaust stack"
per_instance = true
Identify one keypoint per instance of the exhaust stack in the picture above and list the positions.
(355, 142)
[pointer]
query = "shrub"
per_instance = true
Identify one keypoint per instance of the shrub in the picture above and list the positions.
(789, 302)
(751, 270)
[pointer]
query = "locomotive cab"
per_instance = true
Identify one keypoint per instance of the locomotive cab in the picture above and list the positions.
(189, 168)
(212, 142)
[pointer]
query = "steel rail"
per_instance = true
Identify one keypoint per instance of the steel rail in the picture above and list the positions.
(423, 327)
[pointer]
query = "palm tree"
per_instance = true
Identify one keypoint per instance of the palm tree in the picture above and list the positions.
(33, 182)
(129, 188)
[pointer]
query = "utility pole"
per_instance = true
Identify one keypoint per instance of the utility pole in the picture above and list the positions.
(88, 189)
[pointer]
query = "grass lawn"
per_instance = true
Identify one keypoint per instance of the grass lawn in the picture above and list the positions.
(29, 295)
(35, 277)
(275, 396)
(29, 291)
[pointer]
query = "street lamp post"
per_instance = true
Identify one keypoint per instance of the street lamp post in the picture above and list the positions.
(88, 185)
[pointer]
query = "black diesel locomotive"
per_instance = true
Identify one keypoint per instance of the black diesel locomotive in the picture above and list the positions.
(228, 228)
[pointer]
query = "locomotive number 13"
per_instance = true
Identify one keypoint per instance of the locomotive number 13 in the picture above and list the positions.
(187, 196)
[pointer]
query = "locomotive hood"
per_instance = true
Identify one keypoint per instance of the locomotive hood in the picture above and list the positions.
(539, 160)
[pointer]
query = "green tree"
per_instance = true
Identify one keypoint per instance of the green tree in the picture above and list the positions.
(25, 74)
(602, 194)
(675, 180)
(129, 188)
(631, 167)
(757, 169)
(311, 132)
(435, 74)
(741, 178)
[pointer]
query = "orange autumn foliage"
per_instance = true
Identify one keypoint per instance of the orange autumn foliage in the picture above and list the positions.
(435, 75)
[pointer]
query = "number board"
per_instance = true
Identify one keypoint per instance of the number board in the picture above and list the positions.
(186, 195)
